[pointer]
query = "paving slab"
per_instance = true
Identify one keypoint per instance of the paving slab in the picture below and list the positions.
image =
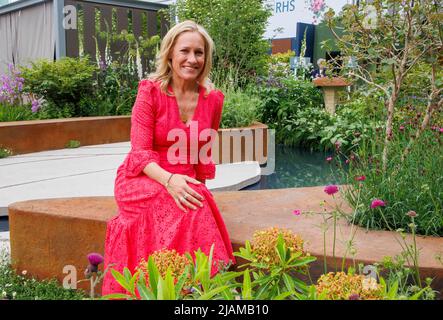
(89, 171)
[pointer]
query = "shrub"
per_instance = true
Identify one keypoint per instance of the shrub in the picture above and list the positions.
(239, 109)
(62, 83)
(282, 98)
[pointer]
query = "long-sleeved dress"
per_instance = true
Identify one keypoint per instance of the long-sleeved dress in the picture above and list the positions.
(149, 219)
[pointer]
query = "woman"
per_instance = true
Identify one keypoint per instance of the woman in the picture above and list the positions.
(162, 199)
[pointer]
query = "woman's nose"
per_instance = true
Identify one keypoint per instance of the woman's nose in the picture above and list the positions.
(192, 58)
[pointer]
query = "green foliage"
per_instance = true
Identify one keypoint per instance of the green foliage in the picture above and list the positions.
(282, 98)
(398, 280)
(73, 144)
(4, 152)
(10, 112)
(237, 28)
(194, 283)
(276, 281)
(412, 184)
(396, 54)
(279, 64)
(115, 90)
(19, 287)
(240, 108)
(294, 108)
(62, 83)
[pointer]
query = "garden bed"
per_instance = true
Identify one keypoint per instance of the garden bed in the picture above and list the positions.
(40, 135)
(72, 228)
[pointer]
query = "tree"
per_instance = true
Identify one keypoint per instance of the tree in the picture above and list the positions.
(387, 39)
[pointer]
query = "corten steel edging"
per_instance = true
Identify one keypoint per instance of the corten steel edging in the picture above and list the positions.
(47, 235)
(40, 135)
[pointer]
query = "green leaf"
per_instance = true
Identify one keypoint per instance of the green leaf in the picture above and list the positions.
(145, 293)
(169, 290)
(392, 294)
(212, 293)
(282, 296)
(181, 281)
(288, 282)
(247, 290)
(153, 275)
(120, 279)
(281, 249)
(116, 296)
(303, 261)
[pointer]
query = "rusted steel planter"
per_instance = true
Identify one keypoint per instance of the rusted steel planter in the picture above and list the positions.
(40, 135)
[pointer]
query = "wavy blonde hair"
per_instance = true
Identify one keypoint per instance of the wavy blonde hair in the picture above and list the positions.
(163, 72)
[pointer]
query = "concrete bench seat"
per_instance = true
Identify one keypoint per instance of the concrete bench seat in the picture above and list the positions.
(47, 235)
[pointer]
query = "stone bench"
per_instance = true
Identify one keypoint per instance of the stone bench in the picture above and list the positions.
(47, 235)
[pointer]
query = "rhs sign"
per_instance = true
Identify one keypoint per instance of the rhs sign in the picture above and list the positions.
(286, 14)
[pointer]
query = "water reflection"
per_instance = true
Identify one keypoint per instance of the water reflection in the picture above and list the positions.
(297, 167)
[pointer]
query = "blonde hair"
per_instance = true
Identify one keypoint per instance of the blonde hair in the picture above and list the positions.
(163, 72)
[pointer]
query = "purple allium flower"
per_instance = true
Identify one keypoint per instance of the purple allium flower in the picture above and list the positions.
(377, 203)
(95, 258)
(331, 189)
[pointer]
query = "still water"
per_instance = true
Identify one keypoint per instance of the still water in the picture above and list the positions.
(298, 167)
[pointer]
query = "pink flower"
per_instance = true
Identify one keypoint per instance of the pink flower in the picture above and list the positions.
(402, 128)
(441, 130)
(412, 214)
(360, 178)
(95, 258)
(331, 189)
(377, 203)
(347, 161)
(329, 159)
(296, 212)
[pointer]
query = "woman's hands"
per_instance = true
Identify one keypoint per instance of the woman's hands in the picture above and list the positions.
(183, 194)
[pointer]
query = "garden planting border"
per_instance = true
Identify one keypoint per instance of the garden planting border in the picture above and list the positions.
(71, 228)
(40, 135)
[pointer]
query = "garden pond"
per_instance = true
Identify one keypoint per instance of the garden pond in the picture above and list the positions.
(297, 167)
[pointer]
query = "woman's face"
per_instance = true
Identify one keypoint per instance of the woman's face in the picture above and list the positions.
(188, 56)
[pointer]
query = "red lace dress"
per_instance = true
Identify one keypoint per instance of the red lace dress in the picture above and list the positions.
(149, 218)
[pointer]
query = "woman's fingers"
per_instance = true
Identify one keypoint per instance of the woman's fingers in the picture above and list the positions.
(194, 194)
(186, 201)
(192, 180)
(177, 201)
